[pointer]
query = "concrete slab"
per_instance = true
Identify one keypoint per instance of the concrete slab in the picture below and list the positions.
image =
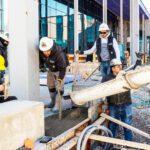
(20, 120)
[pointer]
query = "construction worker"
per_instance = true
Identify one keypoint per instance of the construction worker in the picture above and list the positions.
(119, 104)
(106, 48)
(2, 70)
(4, 41)
(2, 83)
(57, 62)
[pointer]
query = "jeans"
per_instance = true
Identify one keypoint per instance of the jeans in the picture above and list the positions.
(124, 113)
(105, 68)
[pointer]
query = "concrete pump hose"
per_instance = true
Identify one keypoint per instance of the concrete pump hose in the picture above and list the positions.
(131, 80)
(138, 77)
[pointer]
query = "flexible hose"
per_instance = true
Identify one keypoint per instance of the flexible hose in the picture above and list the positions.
(107, 132)
(81, 144)
(82, 134)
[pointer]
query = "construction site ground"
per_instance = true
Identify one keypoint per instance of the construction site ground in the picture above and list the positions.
(141, 114)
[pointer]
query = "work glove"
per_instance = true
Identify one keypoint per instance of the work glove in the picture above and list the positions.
(121, 74)
(59, 83)
(139, 55)
(2, 87)
(79, 52)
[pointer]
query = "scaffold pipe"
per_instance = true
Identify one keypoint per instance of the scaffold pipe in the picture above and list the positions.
(123, 82)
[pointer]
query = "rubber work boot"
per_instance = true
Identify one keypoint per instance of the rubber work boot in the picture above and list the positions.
(53, 99)
(55, 109)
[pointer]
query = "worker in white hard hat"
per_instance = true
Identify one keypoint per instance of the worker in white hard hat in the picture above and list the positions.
(119, 104)
(56, 62)
(106, 48)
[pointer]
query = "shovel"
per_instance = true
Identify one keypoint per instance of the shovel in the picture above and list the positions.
(60, 102)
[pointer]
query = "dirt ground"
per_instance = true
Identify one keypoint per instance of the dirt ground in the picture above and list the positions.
(54, 126)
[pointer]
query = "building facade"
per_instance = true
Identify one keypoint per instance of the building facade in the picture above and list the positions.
(1, 16)
(57, 22)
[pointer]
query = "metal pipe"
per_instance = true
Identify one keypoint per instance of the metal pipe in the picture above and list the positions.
(131, 80)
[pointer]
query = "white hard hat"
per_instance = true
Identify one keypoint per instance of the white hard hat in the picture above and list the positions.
(4, 36)
(115, 62)
(103, 26)
(46, 44)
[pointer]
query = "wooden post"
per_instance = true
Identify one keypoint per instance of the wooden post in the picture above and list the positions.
(126, 125)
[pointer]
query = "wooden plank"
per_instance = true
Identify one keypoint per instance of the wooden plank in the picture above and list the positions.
(64, 137)
(99, 121)
(126, 125)
(69, 145)
(120, 142)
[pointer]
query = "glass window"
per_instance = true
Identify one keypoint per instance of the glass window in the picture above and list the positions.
(43, 12)
(57, 22)
(1, 16)
(60, 22)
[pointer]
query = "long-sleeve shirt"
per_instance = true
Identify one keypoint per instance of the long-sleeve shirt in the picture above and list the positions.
(104, 40)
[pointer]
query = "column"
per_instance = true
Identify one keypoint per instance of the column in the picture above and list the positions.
(105, 11)
(23, 49)
(76, 40)
(143, 33)
(121, 21)
(134, 29)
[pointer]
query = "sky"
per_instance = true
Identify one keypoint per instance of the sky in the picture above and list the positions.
(147, 4)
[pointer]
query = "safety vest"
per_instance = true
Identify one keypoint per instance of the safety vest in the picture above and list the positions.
(112, 53)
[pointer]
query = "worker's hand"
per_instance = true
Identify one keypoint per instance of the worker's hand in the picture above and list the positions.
(79, 52)
(59, 84)
(139, 55)
(1, 87)
(121, 74)
(99, 68)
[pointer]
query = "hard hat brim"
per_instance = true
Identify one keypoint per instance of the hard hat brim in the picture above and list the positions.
(104, 30)
(4, 37)
(44, 48)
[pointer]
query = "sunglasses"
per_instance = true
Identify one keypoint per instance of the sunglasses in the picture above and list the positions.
(103, 32)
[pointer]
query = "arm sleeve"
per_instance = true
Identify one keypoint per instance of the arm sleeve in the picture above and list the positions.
(1, 82)
(61, 64)
(116, 48)
(104, 79)
(91, 50)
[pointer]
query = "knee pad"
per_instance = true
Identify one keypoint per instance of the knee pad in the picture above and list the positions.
(61, 92)
(52, 90)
